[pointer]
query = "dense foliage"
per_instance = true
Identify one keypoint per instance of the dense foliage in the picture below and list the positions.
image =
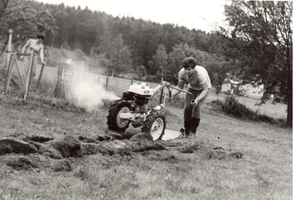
(256, 46)
(24, 19)
(260, 37)
(119, 45)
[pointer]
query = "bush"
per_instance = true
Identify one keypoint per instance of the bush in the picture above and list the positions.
(232, 107)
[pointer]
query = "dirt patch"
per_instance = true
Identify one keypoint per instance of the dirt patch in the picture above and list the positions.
(12, 145)
(36, 152)
(38, 138)
(68, 147)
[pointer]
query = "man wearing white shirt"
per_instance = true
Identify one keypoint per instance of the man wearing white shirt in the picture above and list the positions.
(199, 84)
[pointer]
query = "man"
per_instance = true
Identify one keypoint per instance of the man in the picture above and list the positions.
(199, 85)
(37, 46)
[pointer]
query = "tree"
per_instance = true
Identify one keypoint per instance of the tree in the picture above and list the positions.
(3, 6)
(118, 56)
(160, 60)
(201, 40)
(174, 65)
(260, 37)
(24, 19)
(149, 45)
(218, 72)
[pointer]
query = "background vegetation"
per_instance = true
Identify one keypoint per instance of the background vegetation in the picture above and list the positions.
(255, 46)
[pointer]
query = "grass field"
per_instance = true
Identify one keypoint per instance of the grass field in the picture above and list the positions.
(263, 172)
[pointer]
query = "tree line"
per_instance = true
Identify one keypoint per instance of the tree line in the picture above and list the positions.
(120, 45)
(255, 46)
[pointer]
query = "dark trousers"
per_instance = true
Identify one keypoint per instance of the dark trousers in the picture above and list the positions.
(192, 113)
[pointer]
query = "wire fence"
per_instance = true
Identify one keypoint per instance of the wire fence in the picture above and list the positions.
(2, 49)
(50, 79)
(51, 75)
(2, 55)
(2, 45)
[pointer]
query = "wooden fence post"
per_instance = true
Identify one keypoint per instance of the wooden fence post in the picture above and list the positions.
(63, 77)
(8, 76)
(9, 47)
(40, 75)
(8, 61)
(107, 82)
(29, 75)
(18, 69)
(57, 87)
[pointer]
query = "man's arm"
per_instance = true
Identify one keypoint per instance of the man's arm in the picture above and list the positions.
(42, 55)
(203, 94)
(179, 87)
(26, 46)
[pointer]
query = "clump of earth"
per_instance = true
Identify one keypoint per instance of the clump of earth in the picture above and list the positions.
(62, 154)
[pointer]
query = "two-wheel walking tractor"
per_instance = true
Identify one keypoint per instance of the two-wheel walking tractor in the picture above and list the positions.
(134, 108)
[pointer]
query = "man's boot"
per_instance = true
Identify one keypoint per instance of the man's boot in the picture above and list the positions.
(187, 128)
(187, 120)
(193, 125)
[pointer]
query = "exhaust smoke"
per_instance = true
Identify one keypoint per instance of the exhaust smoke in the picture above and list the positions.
(88, 93)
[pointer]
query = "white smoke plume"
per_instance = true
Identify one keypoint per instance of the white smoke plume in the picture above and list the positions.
(87, 92)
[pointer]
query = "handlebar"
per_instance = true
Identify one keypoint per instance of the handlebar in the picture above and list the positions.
(164, 84)
(180, 91)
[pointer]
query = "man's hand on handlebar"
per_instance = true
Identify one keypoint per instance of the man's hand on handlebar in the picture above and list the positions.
(168, 84)
(194, 102)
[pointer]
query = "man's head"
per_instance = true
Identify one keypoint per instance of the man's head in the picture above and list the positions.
(189, 62)
(189, 65)
(41, 38)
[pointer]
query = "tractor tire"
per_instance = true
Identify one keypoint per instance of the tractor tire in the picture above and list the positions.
(115, 123)
(155, 124)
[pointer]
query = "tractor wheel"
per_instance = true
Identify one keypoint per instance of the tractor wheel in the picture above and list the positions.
(155, 124)
(115, 123)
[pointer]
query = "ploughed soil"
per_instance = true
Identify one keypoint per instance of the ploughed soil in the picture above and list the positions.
(50, 134)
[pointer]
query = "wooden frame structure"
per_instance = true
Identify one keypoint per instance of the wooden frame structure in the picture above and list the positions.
(11, 59)
(26, 81)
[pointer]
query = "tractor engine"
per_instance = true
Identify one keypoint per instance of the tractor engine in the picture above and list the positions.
(139, 93)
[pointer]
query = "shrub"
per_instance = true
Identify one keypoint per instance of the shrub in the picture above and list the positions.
(232, 107)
